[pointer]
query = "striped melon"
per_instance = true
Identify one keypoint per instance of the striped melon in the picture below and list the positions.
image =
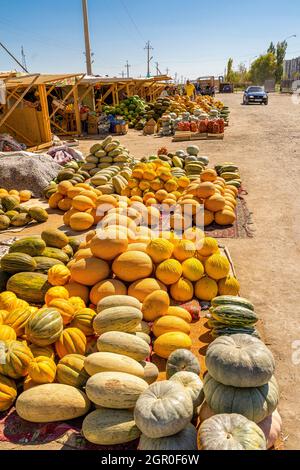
(111, 362)
(116, 390)
(124, 319)
(124, 343)
(31, 287)
(232, 300)
(234, 315)
(110, 427)
(17, 262)
(117, 301)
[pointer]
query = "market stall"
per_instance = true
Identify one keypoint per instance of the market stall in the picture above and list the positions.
(33, 106)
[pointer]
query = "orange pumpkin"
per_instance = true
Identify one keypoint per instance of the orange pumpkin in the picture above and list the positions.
(65, 308)
(71, 341)
(58, 275)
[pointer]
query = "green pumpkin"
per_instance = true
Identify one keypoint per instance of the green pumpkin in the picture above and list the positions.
(184, 440)
(240, 361)
(230, 432)
(44, 327)
(182, 360)
(255, 403)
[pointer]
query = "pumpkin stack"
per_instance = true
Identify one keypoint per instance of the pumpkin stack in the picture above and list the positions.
(240, 378)
(163, 413)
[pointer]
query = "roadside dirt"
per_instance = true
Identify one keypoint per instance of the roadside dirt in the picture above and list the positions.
(264, 143)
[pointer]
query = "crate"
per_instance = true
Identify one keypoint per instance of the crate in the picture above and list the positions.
(92, 129)
(121, 129)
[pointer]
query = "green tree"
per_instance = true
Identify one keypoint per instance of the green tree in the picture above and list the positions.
(272, 48)
(280, 56)
(263, 68)
(229, 75)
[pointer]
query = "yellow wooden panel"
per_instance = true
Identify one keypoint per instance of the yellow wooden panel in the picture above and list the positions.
(27, 122)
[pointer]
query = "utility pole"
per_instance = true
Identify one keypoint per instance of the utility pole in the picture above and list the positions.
(88, 55)
(127, 66)
(158, 72)
(13, 57)
(23, 58)
(167, 70)
(148, 48)
(122, 74)
(175, 77)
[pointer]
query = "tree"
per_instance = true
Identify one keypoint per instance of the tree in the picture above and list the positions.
(243, 74)
(264, 68)
(280, 56)
(229, 76)
(272, 48)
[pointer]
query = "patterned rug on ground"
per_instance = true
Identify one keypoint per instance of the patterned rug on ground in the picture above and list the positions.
(242, 227)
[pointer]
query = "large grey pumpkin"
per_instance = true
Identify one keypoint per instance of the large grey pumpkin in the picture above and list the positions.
(183, 440)
(240, 361)
(164, 409)
(192, 383)
(230, 432)
(182, 360)
(254, 403)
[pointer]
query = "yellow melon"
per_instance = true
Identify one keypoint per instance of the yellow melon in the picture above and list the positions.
(106, 245)
(184, 249)
(225, 217)
(206, 289)
(169, 271)
(182, 290)
(155, 305)
(132, 265)
(217, 267)
(215, 203)
(107, 288)
(208, 175)
(205, 190)
(180, 312)
(170, 342)
(89, 271)
(168, 324)
(144, 287)
(209, 247)
(192, 269)
(229, 286)
(81, 221)
(159, 250)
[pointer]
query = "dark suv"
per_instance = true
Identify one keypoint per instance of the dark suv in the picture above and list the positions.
(255, 94)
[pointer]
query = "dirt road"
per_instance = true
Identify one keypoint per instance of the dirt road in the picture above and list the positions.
(264, 143)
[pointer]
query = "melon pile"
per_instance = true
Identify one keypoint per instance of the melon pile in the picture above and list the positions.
(14, 214)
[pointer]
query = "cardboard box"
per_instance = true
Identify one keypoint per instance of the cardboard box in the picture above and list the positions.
(121, 129)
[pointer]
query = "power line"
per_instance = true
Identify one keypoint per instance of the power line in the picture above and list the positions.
(13, 57)
(148, 48)
(132, 20)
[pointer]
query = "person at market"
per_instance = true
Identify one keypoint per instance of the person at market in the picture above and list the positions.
(198, 88)
(165, 92)
(190, 90)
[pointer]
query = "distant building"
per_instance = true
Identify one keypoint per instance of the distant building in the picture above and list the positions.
(291, 69)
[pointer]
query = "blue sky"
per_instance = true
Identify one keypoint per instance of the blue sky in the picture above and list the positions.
(189, 37)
